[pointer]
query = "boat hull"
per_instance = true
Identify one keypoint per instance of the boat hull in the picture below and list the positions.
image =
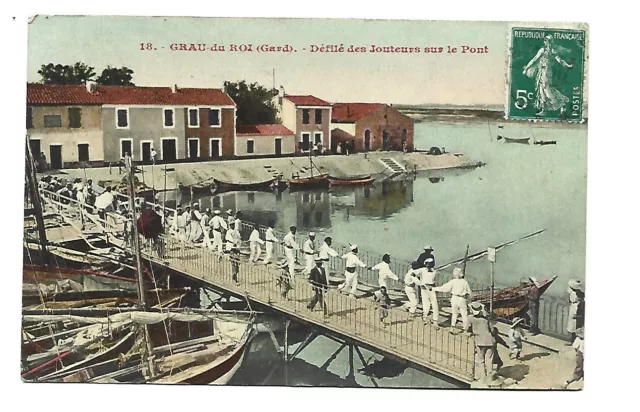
(360, 182)
(524, 140)
(222, 186)
(302, 183)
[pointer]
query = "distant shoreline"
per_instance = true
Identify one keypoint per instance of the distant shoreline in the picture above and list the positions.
(463, 114)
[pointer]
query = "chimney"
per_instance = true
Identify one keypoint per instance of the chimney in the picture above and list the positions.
(92, 87)
(174, 88)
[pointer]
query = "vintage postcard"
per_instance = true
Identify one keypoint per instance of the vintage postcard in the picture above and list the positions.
(305, 202)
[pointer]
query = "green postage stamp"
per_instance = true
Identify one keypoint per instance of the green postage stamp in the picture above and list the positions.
(546, 74)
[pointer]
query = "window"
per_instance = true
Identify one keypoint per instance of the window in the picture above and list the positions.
(305, 219)
(306, 137)
(305, 116)
(194, 118)
(52, 120)
(122, 118)
(216, 202)
(306, 198)
(75, 121)
(83, 152)
(29, 118)
(214, 117)
(317, 138)
(168, 117)
(318, 116)
(249, 146)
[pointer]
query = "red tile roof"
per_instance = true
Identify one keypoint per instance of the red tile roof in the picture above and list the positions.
(125, 95)
(262, 130)
(307, 100)
(351, 112)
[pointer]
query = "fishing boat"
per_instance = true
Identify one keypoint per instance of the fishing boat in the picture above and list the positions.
(511, 301)
(350, 178)
(222, 186)
(521, 140)
(311, 182)
(351, 182)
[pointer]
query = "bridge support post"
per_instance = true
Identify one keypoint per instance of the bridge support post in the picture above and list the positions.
(351, 376)
(286, 351)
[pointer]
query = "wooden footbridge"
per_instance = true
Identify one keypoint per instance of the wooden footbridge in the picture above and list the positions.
(352, 321)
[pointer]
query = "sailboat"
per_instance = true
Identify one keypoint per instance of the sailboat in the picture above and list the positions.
(320, 180)
(144, 346)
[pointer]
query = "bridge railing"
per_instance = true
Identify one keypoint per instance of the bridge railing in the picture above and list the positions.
(401, 334)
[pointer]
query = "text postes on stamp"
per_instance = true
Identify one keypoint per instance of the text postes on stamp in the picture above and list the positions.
(546, 74)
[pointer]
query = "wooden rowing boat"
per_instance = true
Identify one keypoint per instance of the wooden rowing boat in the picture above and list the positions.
(350, 178)
(354, 182)
(521, 140)
(544, 142)
(511, 301)
(222, 186)
(312, 182)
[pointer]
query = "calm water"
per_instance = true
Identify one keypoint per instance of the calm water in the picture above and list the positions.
(523, 188)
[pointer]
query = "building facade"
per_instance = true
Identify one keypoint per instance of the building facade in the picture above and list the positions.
(65, 124)
(370, 126)
(264, 140)
(183, 123)
(308, 117)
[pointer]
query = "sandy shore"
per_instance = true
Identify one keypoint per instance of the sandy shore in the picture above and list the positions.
(256, 170)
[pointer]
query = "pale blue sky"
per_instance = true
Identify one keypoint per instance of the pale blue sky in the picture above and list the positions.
(460, 79)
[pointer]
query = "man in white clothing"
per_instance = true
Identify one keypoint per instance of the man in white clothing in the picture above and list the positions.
(290, 246)
(270, 238)
(187, 220)
(196, 228)
(82, 200)
(460, 291)
(237, 223)
(351, 276)
(204, 223)
(309, 250)
(384, 271)
(325, 252)
(410, 282)
(254, 244)
(174, 222)
(428, 294)
(218, 224)
(230, 218)
(233, 239)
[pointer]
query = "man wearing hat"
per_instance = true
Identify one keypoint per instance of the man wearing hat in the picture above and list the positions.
(576, 307)
(483, 337)
(351, 276)
(290, 246)
(320, 283)
(196, 227)
(174, 221)
(410, 283)
(533, 300)
(309, 250)
(428, 295)
(254, 244)
(187, 220)
(230, 218)
(460, 291)
(218, 224)
(233, 239)
(204, 224)
(271, 239)
(426, 258)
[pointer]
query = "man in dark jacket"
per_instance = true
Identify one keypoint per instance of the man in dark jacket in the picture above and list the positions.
(320, 283)
(426, 258)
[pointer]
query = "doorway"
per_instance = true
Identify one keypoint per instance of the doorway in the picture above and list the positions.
(367, 140)
(126, 146)
(146, 151)
(34, 145)
(169, 150)
(386, 136)
(215, 150)
(278, 146)
(55, 156)
(193, 148)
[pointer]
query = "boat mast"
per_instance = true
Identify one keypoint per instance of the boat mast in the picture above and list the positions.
(30, 174)
(146, 357)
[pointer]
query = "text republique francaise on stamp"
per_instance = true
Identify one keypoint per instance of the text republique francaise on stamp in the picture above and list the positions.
(546, 74)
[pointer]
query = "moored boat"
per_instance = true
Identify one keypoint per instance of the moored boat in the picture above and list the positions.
(222, 186)
(311, 182)
(350, 178)
(511, 301)
(351, 182)
(521, 140)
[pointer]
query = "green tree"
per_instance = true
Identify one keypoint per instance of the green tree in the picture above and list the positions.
(254, 102)
(79, 73)
(113, 76)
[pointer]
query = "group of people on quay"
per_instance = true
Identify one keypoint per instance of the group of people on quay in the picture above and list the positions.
(220, 231)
